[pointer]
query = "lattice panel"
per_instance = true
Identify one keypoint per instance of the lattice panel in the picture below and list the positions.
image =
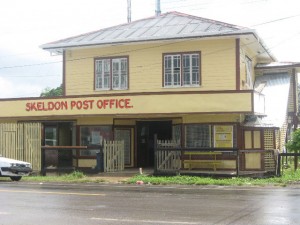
(282, 137)
(277, 139)
(291, 102)
(269, 139)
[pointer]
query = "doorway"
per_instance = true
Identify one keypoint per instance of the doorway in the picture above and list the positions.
(58, 134)
(145, 139)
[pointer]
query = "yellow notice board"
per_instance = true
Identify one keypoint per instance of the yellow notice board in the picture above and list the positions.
(223, 136)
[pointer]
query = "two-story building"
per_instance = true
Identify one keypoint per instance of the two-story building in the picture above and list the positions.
(209, 84)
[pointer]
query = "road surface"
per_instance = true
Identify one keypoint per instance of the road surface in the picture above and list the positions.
(23, 203)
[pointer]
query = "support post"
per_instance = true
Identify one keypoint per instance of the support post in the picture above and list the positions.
(279, 165)
(155, 154)
(43, 163)
(237, 162)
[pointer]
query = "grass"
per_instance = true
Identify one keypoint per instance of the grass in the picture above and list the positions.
(289, 177)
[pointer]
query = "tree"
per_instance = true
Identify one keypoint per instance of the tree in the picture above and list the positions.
(48, 92)
(293, 145)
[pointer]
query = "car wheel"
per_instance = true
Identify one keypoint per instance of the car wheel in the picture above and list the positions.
(15, 178)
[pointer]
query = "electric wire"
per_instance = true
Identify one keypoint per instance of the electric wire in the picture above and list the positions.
(126, 52)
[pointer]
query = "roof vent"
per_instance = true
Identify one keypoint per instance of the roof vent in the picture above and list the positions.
(157, 8)
(128, 11)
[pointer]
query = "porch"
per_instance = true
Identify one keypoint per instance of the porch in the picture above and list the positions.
(170, 159)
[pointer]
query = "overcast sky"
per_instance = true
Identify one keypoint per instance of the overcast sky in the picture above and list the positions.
(26, 70)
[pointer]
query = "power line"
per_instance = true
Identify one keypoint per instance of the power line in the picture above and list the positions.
(38, 76)
(60, 61)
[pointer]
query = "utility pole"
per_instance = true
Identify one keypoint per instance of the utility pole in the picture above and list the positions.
(128, 11)
(157, 8)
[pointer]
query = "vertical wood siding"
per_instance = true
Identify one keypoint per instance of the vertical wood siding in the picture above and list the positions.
(21, 141)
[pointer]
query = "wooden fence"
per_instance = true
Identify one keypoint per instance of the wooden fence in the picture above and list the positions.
(21, 141)
(170, 157)
(113, 156)
(167, 160)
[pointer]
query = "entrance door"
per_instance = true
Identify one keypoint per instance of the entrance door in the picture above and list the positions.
(145, 139)
(125, 134)
(58, 134)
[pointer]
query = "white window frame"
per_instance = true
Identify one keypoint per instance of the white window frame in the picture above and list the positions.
(249, 72)
(171, 70)
(117, 78)
(192, 71)
(176, 71)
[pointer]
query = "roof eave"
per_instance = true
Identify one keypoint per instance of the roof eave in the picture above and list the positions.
(59, 48)
(264, 46)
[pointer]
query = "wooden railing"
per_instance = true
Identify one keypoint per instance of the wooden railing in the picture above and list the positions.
(170, 156)
(50, 157)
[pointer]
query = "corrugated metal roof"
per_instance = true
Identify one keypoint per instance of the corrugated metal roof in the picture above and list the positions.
(166, 26)
(276, 92)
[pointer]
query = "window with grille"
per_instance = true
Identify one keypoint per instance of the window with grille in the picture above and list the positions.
(111, 74)
(182, 69)
(197, 136)
(210, 136)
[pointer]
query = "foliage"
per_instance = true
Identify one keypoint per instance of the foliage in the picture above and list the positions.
(293, 145)
(48, 92)
(75, 176)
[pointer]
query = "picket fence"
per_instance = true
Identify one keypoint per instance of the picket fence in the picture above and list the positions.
(113, 152)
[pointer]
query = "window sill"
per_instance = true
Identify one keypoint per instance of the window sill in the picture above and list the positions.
(111, 89)
(194, 86)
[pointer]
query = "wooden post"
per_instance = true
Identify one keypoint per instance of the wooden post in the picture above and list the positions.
(237, 162)
(296, 161)
(279, 165)
(155, 153)
(43, 166)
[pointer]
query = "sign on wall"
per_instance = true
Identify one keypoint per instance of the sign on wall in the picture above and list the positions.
(223, 136)
(88, 104)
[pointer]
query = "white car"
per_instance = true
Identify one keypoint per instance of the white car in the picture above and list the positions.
(14, 169)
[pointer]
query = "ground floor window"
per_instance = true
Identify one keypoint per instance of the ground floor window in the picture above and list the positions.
(210, 136)
(93, 137)
(176, 133)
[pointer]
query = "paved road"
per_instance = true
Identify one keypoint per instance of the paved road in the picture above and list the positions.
(32, 203)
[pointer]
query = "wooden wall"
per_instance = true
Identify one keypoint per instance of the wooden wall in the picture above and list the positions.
(21, 141)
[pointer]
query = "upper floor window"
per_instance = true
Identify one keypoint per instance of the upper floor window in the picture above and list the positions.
(181, 69)
(111, 74)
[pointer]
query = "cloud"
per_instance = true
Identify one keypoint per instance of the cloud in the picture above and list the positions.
(9, 89)
(24, 75)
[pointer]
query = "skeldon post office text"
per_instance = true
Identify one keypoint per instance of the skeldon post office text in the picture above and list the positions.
(122, 103)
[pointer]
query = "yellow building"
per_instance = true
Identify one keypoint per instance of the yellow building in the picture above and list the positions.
(209, 85)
